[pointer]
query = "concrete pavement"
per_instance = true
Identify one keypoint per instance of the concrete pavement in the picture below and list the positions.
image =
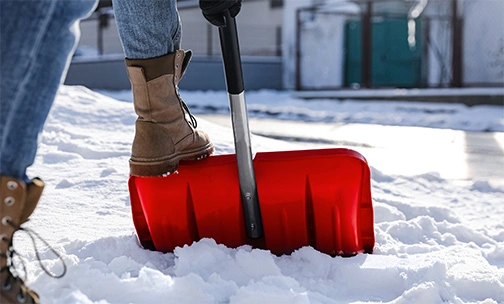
(397, 150)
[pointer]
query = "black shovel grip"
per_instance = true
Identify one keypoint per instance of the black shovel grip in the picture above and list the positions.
(231, 55)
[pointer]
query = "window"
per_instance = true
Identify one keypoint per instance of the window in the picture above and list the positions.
(276, 3)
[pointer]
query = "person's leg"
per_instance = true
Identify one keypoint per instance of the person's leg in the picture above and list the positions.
(150, 32)
(37, 40)
(148, 29)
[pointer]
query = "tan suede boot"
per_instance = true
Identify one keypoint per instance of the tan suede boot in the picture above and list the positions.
(17, 202)
(163, 135)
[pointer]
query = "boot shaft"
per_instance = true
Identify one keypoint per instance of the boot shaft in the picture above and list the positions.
(163, 135)
(155, 85)
(12, 203)
(17, 202)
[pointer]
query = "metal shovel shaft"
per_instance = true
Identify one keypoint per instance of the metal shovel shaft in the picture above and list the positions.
(234, 82)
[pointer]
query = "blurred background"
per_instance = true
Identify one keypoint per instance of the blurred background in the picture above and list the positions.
(332, 46)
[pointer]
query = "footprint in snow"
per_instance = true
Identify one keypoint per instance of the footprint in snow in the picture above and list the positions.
(107, 172)
(64, 183)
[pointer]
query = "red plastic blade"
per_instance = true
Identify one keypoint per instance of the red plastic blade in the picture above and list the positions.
(318, 198)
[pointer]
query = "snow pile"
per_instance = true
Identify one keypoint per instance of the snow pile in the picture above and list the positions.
(281, 105)
(436, 241)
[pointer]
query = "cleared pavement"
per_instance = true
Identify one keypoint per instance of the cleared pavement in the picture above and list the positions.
(397, 150)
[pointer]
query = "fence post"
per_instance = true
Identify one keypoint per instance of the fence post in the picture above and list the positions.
(366, 45)
(278, 39)
(298, 50)
(209, 40)
(456, 46)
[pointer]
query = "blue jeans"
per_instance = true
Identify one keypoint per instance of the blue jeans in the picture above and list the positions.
(37, 41)
(148, 28)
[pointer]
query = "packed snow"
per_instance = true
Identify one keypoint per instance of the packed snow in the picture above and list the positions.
(281, 105)
(436, 240)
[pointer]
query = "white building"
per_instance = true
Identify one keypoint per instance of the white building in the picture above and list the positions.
(322, 49)
(321, 58)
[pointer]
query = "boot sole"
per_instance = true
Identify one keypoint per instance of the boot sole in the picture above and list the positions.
(169, 164)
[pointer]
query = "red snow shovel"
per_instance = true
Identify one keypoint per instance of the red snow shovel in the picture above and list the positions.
(279, 201)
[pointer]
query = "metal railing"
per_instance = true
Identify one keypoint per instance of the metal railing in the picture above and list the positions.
(198, 35)
(434, 34)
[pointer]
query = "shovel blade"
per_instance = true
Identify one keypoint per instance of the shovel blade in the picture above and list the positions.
(318, 198)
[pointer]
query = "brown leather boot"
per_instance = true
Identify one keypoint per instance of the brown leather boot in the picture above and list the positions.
(163, 135)
(17, 202)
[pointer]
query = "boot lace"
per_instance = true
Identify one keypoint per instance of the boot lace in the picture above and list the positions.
(194, 123)
(14, 274)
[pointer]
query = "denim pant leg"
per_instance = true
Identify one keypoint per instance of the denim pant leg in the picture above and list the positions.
(148, 29)
(36, 41)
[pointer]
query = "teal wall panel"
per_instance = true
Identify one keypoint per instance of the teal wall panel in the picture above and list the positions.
(396, 57)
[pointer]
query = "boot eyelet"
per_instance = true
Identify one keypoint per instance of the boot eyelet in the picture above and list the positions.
(6, 286)
(9, 201)
(12, 185)
(177, 66)
(3, 237)
(21, 298)
(6, 220)
(178, 55)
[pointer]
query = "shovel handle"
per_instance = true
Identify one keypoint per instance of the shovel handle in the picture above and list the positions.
(234, 83)
(231, 55)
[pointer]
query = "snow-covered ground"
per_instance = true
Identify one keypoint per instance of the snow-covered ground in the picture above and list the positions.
(281, 105)
(436, 240)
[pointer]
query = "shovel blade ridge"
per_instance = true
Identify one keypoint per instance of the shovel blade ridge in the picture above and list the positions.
(318, 198)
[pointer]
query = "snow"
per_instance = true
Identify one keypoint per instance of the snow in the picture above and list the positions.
(285, 106)
(436, 240)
